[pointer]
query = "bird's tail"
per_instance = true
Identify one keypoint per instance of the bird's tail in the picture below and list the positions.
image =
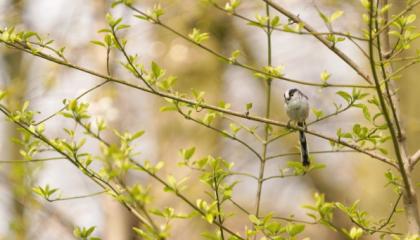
(303, 146)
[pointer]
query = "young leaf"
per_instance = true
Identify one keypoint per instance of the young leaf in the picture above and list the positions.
(345, 95)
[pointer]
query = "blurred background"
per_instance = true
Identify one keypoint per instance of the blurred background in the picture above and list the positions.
(73, 24)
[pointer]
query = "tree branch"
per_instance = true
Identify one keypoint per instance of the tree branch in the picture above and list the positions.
(410, 198)
(237, 63)
(414, 159)
(328, 44)
(176, 97)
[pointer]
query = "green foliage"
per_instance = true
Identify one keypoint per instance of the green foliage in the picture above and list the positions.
(84, 233)
(269, 72)
(118, 158)
(274, 229)
(232, 5)
(325, 76)
(46, 192)
(234, 56)
(330, 19)
(197, 36)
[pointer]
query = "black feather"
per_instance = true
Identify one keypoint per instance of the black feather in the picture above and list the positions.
(303, 146)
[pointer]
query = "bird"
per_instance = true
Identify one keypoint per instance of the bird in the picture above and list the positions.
(297, 108)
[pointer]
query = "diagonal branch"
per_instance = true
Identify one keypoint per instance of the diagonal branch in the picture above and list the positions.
(414, 159)
(237, 63)
(328, 44)
(249, 20)
(408, 8)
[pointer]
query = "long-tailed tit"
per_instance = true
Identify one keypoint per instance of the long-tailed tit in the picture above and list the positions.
(297, 108)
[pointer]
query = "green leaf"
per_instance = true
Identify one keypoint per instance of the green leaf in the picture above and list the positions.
(318, 113)
(122, 26)
(357, 128)
(336, 15)
(234, 128)
(234, 56)
(324, 17)
(275, 21)
(345, 95)
(157, 11)
(157, 71)
(254, 220)
(115, 3)
(90, 231)
(168, 108)
(224, 105)
(248, 106)
(410, 18)
(366, 113)
(365, 3)
(137, 134)
(2, 94)
(356, 233)
(325, 76)
(295, 229)
(209, 118)
(197, 36)
(99, 43)
(232, 5)
(187, 153)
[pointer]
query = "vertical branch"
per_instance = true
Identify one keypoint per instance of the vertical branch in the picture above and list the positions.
(410, 199)
(219, 204)
(383, 54)
(267, 115)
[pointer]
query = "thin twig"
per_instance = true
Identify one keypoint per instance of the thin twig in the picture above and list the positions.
(315, 121)
(92, 175)
(385, 73)
(75, 197)
(267, 115)
(324, 41)
(65, 106)
(32, 160)
(395, 18)
(379, 228)
(195, 103)
(410, 198)
(124, 52)
(237, 63)
(164, 183)
(414, 159)
(314, 152)
(287, 219)
(242, 17)
(219, 204)
(223, 133)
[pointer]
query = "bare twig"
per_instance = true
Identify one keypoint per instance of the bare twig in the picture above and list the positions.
(414, 159)
(313, 152)
(77, 98)
(75, 197)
